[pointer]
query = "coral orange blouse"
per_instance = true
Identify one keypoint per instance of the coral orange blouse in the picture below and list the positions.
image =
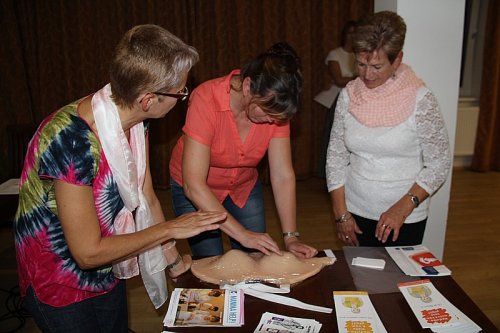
(233, 163)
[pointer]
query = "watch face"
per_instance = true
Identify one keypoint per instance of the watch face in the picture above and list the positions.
(415, 201)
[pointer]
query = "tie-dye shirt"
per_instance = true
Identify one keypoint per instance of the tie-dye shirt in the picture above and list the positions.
(64, 148)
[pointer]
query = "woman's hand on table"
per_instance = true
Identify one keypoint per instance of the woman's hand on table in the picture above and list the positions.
(260, 241)
(300, 250)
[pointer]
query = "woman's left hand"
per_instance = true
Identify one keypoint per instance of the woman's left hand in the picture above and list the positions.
(300, 250)
(391, 221)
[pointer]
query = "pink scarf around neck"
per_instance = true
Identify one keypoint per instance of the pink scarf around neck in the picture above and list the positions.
(128, 165)
(387, 105)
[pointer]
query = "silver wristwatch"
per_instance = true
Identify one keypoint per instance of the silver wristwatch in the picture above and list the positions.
(291, 234)
(414, 199)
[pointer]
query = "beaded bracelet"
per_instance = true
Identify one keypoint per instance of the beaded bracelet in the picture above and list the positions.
(344, 218)
(291, 234)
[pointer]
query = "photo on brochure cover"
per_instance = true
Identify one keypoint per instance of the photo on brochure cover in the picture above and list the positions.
(204, 307)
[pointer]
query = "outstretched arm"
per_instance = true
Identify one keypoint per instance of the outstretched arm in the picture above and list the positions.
(77, 212)
(283, 182)
(195, 166)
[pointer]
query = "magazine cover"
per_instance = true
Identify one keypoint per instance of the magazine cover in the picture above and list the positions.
(205, 307)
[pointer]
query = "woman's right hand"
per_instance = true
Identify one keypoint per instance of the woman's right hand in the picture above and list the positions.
(192, 224)
(260, 241)
(347, 232)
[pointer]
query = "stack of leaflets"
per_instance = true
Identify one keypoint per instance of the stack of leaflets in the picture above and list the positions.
(355, 313)
(417, 261)
(433, 310)
(205, 307)
(271, 322)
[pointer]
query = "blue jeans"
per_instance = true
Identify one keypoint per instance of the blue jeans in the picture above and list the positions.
(251, 216)
(104, 313)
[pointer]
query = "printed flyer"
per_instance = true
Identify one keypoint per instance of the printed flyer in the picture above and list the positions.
(275, 323)
(355, 313)
(417, 261)
(433, 310)
(205, 307)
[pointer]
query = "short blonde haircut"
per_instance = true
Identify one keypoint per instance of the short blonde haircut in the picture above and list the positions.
(148, 58)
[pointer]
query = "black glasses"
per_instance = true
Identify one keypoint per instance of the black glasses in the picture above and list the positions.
(182, 94)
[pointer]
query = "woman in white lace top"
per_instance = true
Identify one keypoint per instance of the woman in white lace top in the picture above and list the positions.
(389, 148)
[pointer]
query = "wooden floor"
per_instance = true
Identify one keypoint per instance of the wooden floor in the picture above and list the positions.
(472, 249)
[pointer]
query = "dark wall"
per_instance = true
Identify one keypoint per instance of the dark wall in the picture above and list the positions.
(56, 51)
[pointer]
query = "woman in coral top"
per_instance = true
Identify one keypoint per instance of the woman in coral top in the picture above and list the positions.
(231, 123)
(389, 149)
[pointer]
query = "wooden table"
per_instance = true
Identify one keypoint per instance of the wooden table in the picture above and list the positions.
(392, 308)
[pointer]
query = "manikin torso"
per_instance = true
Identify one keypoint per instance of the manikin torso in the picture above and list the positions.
(236, 266)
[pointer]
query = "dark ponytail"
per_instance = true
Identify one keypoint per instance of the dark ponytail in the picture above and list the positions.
(276, 81)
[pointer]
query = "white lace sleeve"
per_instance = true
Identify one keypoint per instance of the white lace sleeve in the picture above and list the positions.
(434, 142)
(337, 156)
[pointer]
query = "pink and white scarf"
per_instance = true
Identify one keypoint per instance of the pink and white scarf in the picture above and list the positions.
(387, 105)
(128, 165)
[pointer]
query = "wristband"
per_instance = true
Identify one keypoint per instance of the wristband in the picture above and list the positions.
(176, 261)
